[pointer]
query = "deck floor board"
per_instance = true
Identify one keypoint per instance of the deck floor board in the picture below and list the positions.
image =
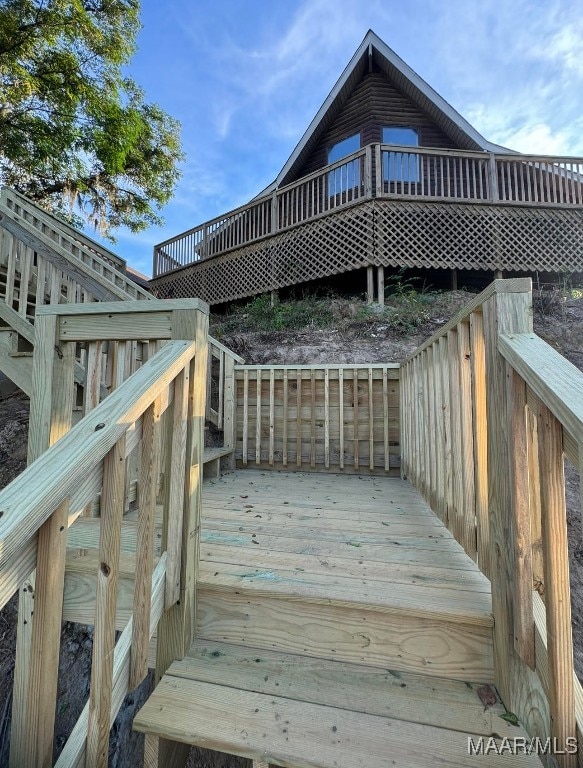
(280, 531)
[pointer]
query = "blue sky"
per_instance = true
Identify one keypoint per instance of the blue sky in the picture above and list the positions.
(246, 77)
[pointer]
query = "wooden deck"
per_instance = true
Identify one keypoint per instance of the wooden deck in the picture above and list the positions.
(308, 620)
(311, 588)
(467, 210)
(347, 539)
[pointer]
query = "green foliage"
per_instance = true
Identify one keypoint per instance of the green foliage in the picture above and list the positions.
(75, 133)
(260, 315)
(407, 307)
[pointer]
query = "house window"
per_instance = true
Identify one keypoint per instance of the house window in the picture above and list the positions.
(400, 166)
(347, 176)
(343, 148)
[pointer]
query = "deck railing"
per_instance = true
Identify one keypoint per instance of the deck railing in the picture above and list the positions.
(52, 263)
(340, 184)
(489, 410)
(382, 171)
(59, 231)
(149, 431)
(318, 417)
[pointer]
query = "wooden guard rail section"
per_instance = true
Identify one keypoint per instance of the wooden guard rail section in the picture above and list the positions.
(44, 261)
(148, 432)
(78, 263)
(489, 411)
(382, 171)
(318, 417)
(40, 219)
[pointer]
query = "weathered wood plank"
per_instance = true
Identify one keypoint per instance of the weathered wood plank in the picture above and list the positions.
(480, 436)
(148, 486)
(523, 617)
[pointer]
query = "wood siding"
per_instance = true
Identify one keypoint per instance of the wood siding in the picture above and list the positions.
(374, 103)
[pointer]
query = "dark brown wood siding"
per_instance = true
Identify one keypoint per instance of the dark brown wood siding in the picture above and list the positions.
(374, 103)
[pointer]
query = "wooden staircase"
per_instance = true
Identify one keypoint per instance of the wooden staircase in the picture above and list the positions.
(306, 619)
(294, 711)
(333, 640)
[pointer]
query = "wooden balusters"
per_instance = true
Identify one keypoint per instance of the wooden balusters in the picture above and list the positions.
(556, 572)
(438, 430)
(327, 417)
(112, 508)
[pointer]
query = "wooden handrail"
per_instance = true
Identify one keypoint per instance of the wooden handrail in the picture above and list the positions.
(494, 474)
(10, 198)
(323, 171)
(552, 378)
(87, 267)
(513, 285)
(96, 458)
(32, 496)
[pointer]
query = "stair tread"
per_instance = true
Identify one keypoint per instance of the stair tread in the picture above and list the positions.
(298, 711)
(216, 453)
(453, 604)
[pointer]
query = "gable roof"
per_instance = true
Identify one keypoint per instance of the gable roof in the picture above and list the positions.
(373, 49)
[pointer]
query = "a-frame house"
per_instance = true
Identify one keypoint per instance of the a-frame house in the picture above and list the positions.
(387, 174)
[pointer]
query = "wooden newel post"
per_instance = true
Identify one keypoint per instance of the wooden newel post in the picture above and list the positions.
(39, 635)
(177, 627)
(274, 213)
(556, 575)
(368, 172)
(378, 171)
(493, 178)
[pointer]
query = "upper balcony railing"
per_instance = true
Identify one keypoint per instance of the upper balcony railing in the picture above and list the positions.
(381, 171)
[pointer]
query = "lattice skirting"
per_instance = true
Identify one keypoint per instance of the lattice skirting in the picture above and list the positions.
(391, 233)
(447, 235)
(336, 243)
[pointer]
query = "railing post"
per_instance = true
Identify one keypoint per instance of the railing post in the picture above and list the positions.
(155, 263)
(230, 415)
(38, 640)
(493, 178)
(274, 213)
(368, 172)
(503, 313)
(378, 171)
(205, 243)
(177, 626)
